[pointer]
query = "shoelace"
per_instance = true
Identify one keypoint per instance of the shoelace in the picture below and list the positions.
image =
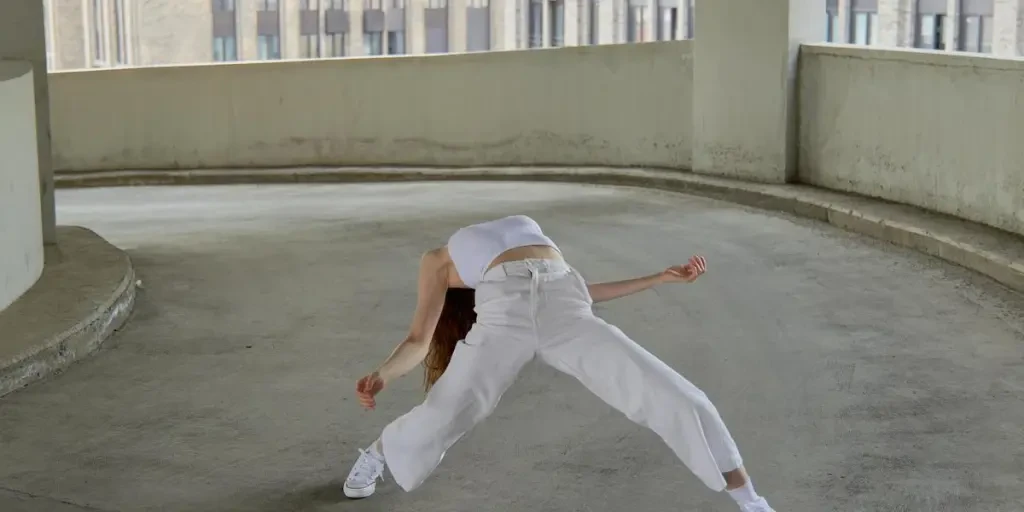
(368, 465)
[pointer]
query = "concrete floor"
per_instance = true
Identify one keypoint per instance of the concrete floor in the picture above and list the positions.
(855, 376)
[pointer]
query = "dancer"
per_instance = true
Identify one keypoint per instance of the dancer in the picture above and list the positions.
(529, 302)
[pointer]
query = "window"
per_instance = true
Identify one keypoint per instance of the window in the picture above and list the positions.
(373, 43)
(930, 24)
(536, 24)
(269, 47)
(266, 5)
(594, 22)
(832, 33)
(556, 20)
(435, 19)
(929, 31)
(335, 29)
(478, 26)
(224, 49)
(309, 46)
(336, 45)
(668, 19)
(308, 5)
(224, 43)
(99, 53)
(975, 26)
(865, 28)
(396, 42)
(636, 20)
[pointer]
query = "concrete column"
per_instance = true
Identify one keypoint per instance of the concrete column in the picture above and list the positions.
(845, 17)
(571, 19)
(416, 31)
(246, 31)
(896, 22)
(684, 12)
(23, 37)
(503, 24)
(291, 33)
(457, 26)
(355, 36)
(744, 85)
(1008, 29)
(606, 21)
(951, 27)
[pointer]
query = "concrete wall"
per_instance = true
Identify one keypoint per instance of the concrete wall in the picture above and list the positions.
(621, 105)
(943, 131)
(21, 228)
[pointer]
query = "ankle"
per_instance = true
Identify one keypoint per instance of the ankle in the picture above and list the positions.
(744, 494)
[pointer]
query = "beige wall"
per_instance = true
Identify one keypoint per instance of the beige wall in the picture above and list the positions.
(21, 229)
(943, 131)
(619, 105)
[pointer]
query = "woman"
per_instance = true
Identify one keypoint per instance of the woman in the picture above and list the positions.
(529, 302)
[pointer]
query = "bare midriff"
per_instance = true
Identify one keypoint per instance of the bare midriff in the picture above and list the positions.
(529, 252)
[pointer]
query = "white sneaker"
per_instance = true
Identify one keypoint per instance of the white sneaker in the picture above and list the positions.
(760, 505)
(362, 480)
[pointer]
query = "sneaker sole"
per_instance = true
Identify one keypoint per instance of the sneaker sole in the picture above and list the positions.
(356, 494)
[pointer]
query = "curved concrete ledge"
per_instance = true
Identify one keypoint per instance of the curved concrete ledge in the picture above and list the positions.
(86, 292)
(994, 253)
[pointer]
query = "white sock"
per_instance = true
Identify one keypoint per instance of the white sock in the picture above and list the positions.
(745, 494)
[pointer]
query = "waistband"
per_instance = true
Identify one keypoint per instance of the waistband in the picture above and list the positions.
(526, 268)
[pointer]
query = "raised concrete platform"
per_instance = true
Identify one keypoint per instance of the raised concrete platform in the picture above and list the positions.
(85, 293)
(992, 252)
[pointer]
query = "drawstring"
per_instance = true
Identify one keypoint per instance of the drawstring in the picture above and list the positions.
(534, 299)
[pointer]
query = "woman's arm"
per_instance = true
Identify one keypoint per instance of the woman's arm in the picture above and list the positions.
(433, 283)
(601, 292)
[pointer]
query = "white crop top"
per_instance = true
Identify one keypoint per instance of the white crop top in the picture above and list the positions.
(473, 248)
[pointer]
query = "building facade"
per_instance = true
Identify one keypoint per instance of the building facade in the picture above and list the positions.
(114, 33)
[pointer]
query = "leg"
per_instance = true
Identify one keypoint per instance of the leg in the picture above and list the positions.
(481, 370)
(648, 392)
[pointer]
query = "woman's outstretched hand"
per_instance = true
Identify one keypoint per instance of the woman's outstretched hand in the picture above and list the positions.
(687, 273)
(367, 388)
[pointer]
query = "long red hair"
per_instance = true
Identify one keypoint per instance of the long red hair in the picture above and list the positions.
(457, 317)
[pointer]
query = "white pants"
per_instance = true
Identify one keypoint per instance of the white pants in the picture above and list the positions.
(542, 308)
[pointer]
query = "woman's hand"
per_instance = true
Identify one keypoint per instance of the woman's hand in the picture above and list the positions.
(367, 388)
(687, 273)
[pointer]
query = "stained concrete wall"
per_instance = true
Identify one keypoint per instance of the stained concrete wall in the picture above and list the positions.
(21, 228)
(616, 105)
(943, 131)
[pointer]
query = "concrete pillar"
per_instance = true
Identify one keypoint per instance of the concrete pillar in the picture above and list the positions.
(291, 32)
(951, 27)
(247, 41)
(606, 30)
(844, 18)
(744, 85)
(355, 36)
(896, 22)
(571, 19)
(457, 26)
(503, 24)
(1008, 29)
(416, 31)
(23, 37)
